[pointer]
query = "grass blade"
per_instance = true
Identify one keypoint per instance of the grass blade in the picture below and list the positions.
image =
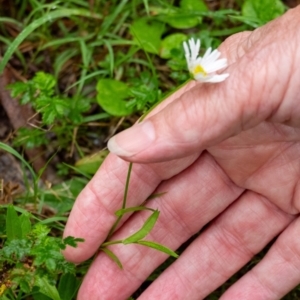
(21, 158)
(158, 247)
(146, 228)
(13, 225)
(113, 257)
(124, 211)
(61, 13)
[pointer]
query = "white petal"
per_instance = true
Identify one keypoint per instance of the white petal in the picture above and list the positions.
(198, 45)
(210, 62)
(213, 56)
(186, 49)
(198, 61)
(191, 44)
(195, 47)
(217, 78)
(215, 66)
(200, 77)
(207, 53)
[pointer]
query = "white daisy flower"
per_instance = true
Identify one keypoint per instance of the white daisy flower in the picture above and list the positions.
(204, 68)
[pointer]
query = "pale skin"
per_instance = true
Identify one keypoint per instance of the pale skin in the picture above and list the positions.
(226, 153)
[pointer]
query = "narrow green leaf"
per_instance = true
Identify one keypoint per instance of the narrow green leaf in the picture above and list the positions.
(53, 220)
(25, 286)
(40, 296)
(124, 211)
(21, 210)
(49, 17)
(86, 55)
(156, 195)
(42, 170)
(158, 247)
(111, 57)
(108, 20)
(62, 58)
(95, 117)
(68, 286)
(66, 40)
(10, 20)
(13, 225)
(146, 4)
(88, 176)
(46, 288)
(148, 225)
(113, 257)
(25, 224)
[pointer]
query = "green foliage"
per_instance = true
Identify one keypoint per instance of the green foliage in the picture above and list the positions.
(262, 11)
(60, 197)
(91, 163)
(143, 92)
(138, 236)
(13, 225)
(111, 96)
(114, 257)
(146, 228)
(119, 99)
(171, 46)
(59, 114)
(68, 285)
(147, 34)
(158, 247)
(40, 92)
(30, 138)
(123, 211)
(46, 288)
(257, 13)
(60, 13)
(32, 258)
(188, 15)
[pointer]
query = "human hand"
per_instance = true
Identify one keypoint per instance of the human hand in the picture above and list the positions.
(228, 154)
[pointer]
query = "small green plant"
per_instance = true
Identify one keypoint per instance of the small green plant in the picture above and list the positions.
(59, 114)
(31, 259)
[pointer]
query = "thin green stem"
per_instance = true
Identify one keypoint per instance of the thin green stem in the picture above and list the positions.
(124, 201)
(127, 185)
(111, 243)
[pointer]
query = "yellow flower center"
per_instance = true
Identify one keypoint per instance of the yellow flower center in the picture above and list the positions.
(198, 69)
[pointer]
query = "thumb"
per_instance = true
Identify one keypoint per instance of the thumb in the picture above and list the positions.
(208, 114)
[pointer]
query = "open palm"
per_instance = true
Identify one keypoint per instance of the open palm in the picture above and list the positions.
(227, 155)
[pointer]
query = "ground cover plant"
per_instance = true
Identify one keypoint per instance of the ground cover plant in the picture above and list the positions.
(73, 73)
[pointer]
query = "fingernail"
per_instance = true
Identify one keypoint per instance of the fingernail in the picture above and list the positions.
(132, 140)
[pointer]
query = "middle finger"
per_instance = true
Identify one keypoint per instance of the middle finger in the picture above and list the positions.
(193, 198)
